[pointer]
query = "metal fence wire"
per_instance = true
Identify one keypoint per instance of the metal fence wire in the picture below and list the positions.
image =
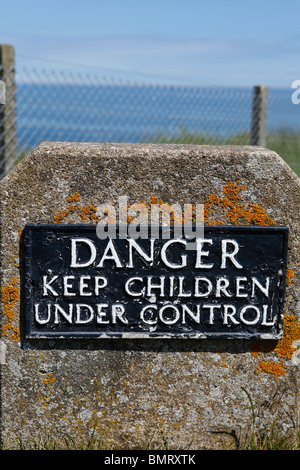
(8, 122)
(60, 105)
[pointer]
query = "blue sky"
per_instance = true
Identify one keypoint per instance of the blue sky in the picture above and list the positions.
(212, 42)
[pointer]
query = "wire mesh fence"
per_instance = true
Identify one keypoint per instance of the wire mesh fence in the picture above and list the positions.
(82, 108)
(8, 122)
(61, 105)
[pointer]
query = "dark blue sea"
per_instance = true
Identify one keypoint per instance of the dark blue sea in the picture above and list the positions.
(139, 113)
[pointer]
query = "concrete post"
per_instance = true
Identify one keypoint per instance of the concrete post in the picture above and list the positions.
(8, 113)
(259, 116)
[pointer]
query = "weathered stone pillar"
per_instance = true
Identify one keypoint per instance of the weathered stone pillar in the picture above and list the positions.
(62, 378)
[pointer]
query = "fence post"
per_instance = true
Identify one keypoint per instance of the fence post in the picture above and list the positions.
(8, 112)
(259, 116)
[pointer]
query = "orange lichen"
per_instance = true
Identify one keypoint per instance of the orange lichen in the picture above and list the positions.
(291, 333)
(87, 213)
(174, 217)
(289, 276)
(283, 349)
(231, 206)
(271, 367)
(233, 209)
(50, 379)
(10, 296)
(75, 197)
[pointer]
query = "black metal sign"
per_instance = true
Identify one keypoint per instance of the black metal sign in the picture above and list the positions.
(228, 284)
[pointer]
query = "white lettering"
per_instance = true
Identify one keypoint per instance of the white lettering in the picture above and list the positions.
(37, 315)
(151, 286)
(67, 316)
(113, 256)
(101, 314)
(117, 311)
(167, 314)
(148, 321)
(67, 286)
(166, 320)
(245, 309)
(211, 308)
(231, 255)
(193, 315)
(171, 290)
(83, 285)
(264, 290)
(264, 315)
(74, 261)
(239, 287)
(229, 312)
(47, 287)
(127, 284)
(88, 316)
(209, 287)
(140, 251)
(181, 293)
(164, 257)
(199, 244)
(99, 286)
(221, 285)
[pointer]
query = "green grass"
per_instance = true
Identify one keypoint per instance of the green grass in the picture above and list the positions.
(287, 145)
(268, 438)
(258, 437)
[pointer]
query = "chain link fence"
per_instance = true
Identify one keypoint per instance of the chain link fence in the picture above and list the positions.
(9, 151)
(59, 105)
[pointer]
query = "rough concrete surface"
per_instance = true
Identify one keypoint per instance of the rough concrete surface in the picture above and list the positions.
(191, 393)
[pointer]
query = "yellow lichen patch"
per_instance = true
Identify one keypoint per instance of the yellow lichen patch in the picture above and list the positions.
(87, 213)
(174, 217)
(271, 367)
(233, 209)
(62, 214)
(10, 296)
(289, 276)
(50, 379)
(291, 333)
(75, 197)
(283, 349)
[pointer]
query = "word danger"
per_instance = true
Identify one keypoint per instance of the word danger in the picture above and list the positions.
(229, 249)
